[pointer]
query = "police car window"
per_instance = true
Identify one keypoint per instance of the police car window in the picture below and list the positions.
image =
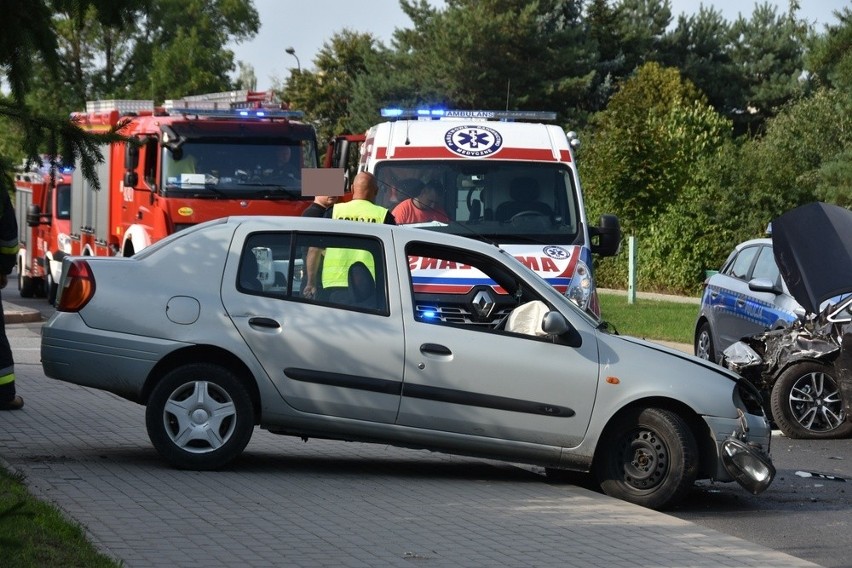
(742, 264)
(765, 266)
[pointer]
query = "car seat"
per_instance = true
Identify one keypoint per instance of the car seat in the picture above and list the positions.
(524, 192)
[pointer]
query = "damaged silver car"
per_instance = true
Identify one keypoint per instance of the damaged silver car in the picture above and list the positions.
(803, 371)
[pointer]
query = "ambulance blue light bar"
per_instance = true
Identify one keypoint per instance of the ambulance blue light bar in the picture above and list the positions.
(437, 114)
(240, 113)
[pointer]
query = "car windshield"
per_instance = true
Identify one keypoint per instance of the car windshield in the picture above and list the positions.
(218, 168)
(503, 201)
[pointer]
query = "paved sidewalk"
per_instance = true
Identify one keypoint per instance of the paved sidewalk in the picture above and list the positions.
(324, 503)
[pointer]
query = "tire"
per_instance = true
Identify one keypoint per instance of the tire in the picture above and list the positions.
(50, 287)
(199, 417)
(648, 457)
(704, 343)
(25, 284)
(806, 403)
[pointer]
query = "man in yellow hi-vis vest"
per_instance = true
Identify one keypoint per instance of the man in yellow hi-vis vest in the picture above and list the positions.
(336, 261)
(9, 400)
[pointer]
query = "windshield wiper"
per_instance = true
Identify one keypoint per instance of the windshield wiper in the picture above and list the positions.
(607, 327)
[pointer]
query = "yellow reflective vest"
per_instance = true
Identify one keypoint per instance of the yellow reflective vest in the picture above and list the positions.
(335, 266)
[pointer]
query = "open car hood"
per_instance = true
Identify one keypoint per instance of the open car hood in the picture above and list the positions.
(813, 250)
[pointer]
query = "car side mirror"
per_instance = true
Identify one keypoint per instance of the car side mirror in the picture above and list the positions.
(763, 285)
(555, 325)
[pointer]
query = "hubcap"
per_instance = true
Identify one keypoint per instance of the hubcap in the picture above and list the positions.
(199, 417)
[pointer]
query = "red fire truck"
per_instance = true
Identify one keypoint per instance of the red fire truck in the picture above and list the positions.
(191, 160)
(43, 207)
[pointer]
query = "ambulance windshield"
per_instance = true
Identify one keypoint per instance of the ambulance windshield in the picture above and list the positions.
(237, 168)
(505, 201)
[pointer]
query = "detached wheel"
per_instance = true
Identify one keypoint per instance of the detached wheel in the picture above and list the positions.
(648, 457)
(199, 417)
(704, 343)
(806, 403)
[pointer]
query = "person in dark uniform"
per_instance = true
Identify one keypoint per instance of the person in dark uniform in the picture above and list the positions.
(9, 399)
(320, 205)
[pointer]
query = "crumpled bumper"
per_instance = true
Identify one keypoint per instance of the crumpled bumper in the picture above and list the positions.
(748, 464)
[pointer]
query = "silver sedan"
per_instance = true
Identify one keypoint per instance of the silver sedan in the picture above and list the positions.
(209, 330)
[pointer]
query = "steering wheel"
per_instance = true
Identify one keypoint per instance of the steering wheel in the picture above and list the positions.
(527, 213)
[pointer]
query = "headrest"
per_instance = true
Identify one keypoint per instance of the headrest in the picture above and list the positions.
(524, 189)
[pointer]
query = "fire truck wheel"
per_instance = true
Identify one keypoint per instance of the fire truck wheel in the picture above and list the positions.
(25, 284)
(199, 416)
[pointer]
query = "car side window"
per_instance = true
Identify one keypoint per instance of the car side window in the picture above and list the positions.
(350, 272)
(741, 265)
(343, 271)
(488, 298)
(765, 266)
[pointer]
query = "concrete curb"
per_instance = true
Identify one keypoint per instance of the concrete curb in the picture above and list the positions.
(17, 314)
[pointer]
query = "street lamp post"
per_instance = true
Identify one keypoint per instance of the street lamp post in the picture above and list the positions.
(292, 52)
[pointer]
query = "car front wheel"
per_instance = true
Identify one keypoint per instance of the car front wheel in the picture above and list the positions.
(199, 416)
(648, 457)
(704, 343)
(806, 403)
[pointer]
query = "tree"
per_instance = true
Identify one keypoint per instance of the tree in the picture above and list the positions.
(325, 95)
(830, 56)
(640, 163)
(27, 36)
(768, 50)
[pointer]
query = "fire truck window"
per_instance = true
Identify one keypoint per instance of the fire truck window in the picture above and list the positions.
(149, 155)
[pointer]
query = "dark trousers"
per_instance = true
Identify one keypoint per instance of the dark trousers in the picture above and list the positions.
(7, 391)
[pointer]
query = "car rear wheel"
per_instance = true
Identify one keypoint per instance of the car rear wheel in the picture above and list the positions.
(648, 457)
(807, 404)
(199, 416)
(704, 343)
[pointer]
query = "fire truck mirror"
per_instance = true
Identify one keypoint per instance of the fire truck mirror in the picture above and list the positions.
(131, 156)
(131, 179)
(34, 216)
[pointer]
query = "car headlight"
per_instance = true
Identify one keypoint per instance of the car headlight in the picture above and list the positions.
(581, 287)
(748, 464)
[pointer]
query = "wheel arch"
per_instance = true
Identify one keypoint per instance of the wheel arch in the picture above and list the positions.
(203, 354)
(704, 438)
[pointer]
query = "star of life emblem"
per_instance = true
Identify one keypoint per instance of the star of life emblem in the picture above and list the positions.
(556, 252)
(473, 141)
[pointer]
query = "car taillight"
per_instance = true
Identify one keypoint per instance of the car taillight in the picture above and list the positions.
(78, 287)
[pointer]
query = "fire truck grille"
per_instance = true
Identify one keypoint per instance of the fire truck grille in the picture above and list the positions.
(458, 314)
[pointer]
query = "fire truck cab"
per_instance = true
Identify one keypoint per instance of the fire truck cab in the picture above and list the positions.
(189, 161)
(43, 209)
(500, 176)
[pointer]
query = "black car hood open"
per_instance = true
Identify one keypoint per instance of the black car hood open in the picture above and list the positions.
(813, 250)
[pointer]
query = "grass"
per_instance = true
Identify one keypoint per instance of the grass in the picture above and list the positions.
(650, 319)
(35, 534)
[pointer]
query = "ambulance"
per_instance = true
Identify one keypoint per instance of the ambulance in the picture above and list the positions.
(505, 177)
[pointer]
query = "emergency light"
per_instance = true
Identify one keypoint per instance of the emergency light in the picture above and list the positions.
(437, 114)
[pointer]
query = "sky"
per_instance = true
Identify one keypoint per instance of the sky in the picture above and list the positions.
(307, 25)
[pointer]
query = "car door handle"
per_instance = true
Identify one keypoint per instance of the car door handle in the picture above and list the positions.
(264, 322)
(434, 349)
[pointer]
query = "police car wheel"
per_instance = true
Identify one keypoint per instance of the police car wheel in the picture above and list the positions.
(704, 343)
(199, 416)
